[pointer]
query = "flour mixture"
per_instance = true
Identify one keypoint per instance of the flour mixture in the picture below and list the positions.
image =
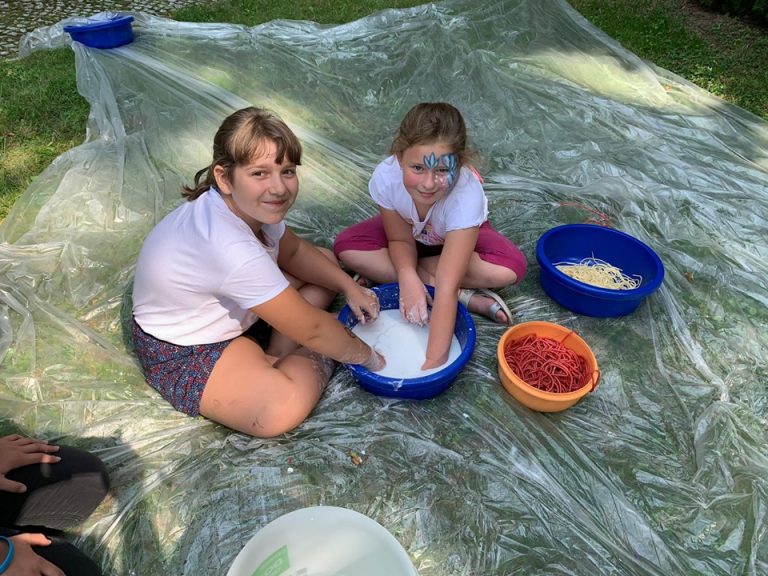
(404, 345)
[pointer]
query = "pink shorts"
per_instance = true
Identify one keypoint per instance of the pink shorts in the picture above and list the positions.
(491, 246)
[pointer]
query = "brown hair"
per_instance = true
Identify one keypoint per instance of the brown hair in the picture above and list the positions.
(429, 122)
(241, 137)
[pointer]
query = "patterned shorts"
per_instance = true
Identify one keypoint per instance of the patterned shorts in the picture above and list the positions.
(179, 373)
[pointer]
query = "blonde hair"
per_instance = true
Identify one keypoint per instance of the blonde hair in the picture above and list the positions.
(429, 122)
(243, 136)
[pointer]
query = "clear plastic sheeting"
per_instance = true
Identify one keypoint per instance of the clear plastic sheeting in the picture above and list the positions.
(662, 470)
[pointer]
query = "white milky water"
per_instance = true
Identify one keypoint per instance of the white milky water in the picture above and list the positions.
(404, 345)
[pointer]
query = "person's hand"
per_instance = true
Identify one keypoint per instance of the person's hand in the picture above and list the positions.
(376, 361)
(26, 562)
(434, 363)
(413, 300)
(364, 303)
(17, 451)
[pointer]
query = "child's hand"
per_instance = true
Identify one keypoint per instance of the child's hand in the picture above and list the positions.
(413, 301)
(17, 451)
(26, 562)
(376, 362)
(364, 304)
(434, 363)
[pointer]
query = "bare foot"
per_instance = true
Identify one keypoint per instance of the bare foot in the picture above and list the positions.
(480, 304)
(362, 281)
(280, 346)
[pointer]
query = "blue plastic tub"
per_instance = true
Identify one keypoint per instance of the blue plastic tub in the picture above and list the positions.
(108, 33)
(414, 388)
(574, 242)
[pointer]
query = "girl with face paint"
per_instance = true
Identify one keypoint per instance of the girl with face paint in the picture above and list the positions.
(432, 228)
(229, 303)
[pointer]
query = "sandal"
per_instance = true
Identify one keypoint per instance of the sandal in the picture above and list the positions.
(465, 295)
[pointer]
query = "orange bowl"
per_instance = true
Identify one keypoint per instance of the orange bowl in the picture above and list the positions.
(531, 396)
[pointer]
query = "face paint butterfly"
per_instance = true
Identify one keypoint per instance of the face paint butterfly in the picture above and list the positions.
(430, 162)
(451, 163)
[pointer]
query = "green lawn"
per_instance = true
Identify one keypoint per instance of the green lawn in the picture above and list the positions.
(721, 54)
(42, 115)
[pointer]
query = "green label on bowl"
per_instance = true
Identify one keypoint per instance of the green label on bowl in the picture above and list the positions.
(277, 563)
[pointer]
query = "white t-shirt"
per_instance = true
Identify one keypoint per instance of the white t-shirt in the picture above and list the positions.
(200, 270)
(464, 206)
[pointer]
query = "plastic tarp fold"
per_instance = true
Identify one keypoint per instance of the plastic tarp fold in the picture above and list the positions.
(662, 470)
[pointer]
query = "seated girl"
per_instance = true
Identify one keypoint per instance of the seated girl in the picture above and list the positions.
(229, 303)
(432, 228)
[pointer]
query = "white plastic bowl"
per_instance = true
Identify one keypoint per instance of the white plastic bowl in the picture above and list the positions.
(323, 541)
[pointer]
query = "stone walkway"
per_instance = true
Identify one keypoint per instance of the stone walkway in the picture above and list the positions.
(17, 17)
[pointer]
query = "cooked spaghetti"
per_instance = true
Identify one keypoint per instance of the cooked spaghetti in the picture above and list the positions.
(547, 364)
(600, 273)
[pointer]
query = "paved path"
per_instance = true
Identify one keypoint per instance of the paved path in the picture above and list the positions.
(17, 17)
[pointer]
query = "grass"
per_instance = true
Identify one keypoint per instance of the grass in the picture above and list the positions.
(726, 56)
(42, 115)
(252, 12)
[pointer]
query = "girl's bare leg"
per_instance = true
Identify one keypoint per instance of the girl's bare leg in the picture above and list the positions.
(260, 395)
(375, 265)
(480, 274)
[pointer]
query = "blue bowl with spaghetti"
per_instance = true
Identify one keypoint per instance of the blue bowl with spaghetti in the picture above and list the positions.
(574, 244)
(422, 387)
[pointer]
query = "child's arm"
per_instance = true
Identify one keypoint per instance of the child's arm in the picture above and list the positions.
(402, 252)
(303, 260)
(316, 329)
(451, 269)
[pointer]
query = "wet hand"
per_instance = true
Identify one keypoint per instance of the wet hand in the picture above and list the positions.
(376, 361)
(414, 300)
(17, 451)
(434, 363)
(364, 304)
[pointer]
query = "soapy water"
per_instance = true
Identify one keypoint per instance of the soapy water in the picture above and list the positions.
(404, 345)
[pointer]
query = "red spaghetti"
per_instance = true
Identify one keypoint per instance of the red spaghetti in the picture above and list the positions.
(547, 364)
(599, 218)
